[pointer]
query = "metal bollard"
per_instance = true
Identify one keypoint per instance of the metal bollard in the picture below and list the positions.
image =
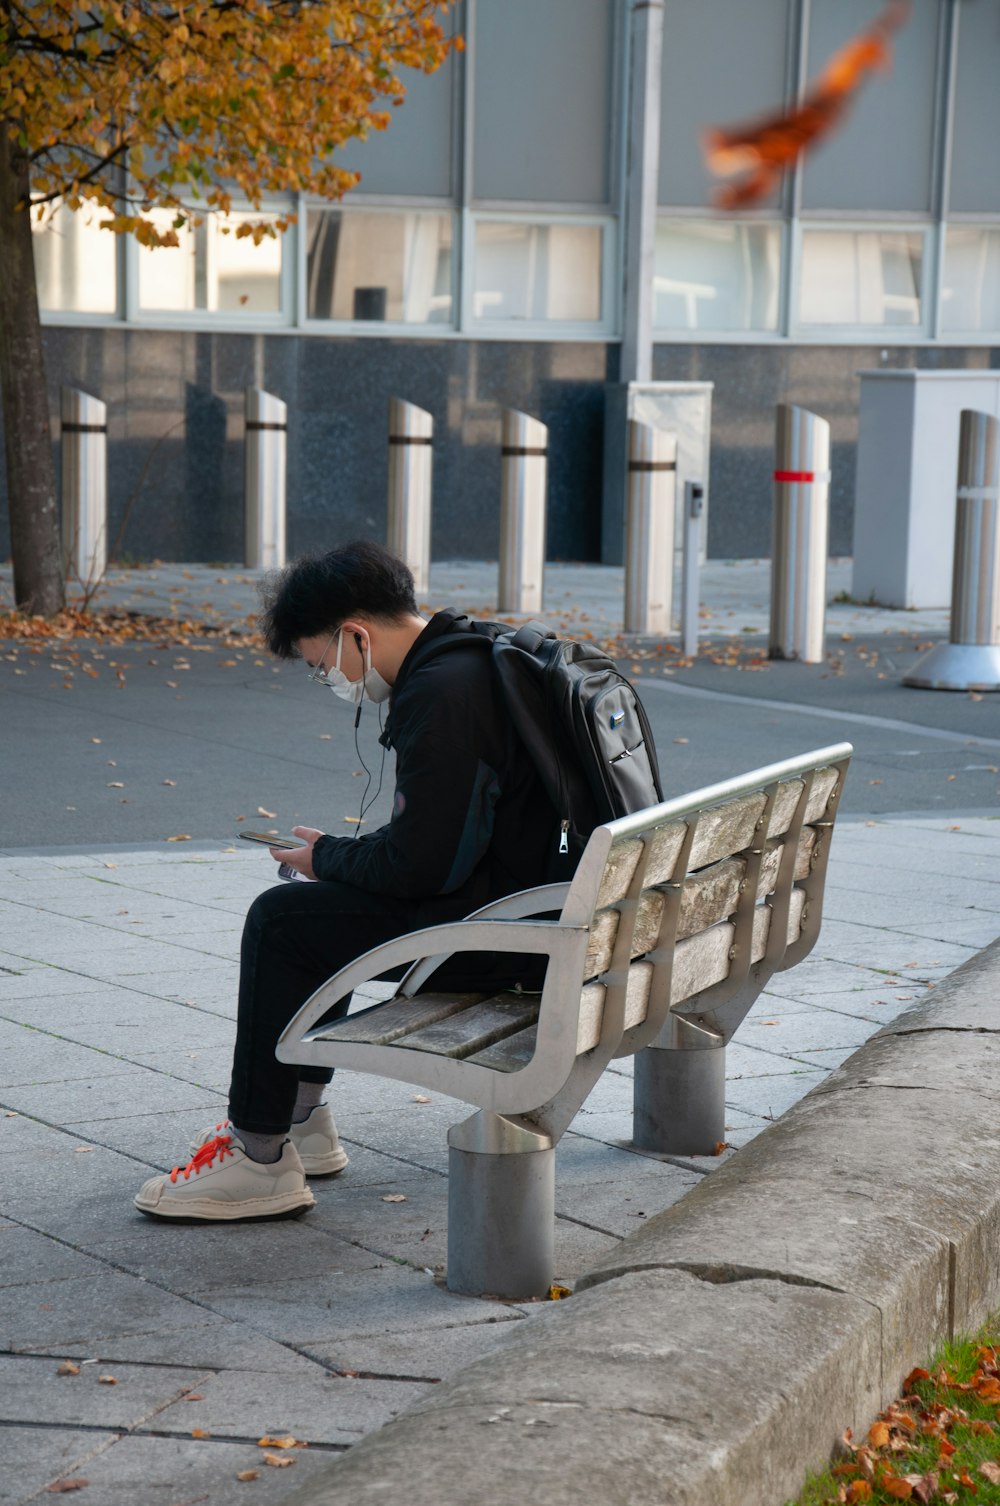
(408, 530)
(799, 549)
(694, 507)
(649, 528)
(84, 429)
(266, 445)
(523, 471)
(970, 660)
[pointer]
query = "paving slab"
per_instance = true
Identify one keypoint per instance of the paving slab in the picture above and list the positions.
(35, 1458)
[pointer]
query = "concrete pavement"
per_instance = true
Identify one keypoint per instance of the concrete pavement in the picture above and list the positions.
(117, 993)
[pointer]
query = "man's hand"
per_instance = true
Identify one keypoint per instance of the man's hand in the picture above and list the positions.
(300, 858)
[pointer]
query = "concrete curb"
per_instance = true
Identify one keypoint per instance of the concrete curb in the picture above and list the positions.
(718, 1354)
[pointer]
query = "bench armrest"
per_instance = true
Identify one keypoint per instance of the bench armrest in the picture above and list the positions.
(547, 937)
(519, 906)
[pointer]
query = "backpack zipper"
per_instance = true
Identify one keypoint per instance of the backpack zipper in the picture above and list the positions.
(564, 836)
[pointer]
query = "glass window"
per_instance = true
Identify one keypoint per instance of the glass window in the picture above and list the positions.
(975, 182)
(75, 262)
(970, 288)
(394, 268)
(879, 158)
(543, 100)
(716, 275)
(413, 156)
(723, 64)
(861, 277)
(211, 270)
(537, 272)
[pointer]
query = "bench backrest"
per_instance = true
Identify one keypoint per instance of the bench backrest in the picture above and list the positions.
(693, 904)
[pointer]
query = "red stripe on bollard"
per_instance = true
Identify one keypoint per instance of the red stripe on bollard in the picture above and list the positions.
(795, 475)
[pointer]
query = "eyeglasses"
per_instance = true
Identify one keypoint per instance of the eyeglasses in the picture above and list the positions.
(319, 674)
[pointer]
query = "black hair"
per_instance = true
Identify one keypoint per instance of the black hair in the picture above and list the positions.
(314, 595)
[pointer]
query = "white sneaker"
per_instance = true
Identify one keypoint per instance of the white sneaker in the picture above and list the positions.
(315, 1139)
(222, 1182)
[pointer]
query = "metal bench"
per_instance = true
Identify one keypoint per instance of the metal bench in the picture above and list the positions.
(674, 921)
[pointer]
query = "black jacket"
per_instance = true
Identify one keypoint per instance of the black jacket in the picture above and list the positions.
(470, 821)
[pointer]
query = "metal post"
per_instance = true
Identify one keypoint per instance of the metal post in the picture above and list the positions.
(799, 547)
(970, 660)
(694, 507)
(640, 202)
(523, 473)
(679, 1094)
(265, 464)
(84, 428)
(501, 1208)
(408, 530)
(649, 528)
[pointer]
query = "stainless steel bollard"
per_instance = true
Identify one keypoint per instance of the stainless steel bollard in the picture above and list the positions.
(501, 1208)
(408, 530)
(679, 1092)
(649, 528)
(84, 428)
(694, 508)
(801, 525)
(523, 473)
(970, 660)
(265, 465)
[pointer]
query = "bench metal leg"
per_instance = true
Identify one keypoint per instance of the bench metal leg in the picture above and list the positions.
(501, 1208)
(679, 1103)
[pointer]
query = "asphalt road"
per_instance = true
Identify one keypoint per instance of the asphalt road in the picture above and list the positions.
(141, 742)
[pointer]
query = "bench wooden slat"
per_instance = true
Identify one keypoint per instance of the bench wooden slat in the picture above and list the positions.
(699, 962)
(722, 830)
(464, 1034)
(708, 897)
(383, 1024)
(510, 1054)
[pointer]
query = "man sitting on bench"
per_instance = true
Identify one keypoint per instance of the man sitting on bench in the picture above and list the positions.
(470, 823)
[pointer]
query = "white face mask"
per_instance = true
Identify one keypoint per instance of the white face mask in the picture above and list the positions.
(371, 683)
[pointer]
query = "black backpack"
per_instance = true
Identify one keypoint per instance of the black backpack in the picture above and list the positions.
(582, 723)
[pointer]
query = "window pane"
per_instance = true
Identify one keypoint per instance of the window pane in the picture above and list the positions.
(393, 267)
(210, 270)
(413, 156)
(76, 262)
(543, 100)
(858, 277)
(975, 182)
(723, 63)
(970, 291)
(721, 275)
(538, 272)
(880, 156)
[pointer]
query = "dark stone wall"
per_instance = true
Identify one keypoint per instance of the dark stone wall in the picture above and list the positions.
(175, 419)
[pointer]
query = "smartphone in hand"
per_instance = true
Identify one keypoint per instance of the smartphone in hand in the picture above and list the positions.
(262, 837)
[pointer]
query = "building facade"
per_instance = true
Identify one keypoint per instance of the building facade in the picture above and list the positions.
(479, 265)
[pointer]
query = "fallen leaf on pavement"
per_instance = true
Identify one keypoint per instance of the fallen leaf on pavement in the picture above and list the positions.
(59, 1487)
(280, 1461)
(182, 838)
(269, 814)
(248, 1474)
(394, 1197)
(421, 1098)
(68, 1368)
(557, 1292)
(171, 782)
(287, 1441)
(106, 1380)
(199, 1433)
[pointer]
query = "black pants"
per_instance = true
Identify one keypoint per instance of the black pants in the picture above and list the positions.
(295, 937)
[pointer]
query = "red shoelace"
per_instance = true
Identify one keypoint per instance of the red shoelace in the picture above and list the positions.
(204, 1156)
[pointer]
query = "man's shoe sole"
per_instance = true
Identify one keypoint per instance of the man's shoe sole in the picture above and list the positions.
(211, 1210)
(324, 1166)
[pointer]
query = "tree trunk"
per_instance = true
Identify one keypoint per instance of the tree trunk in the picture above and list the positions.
(36, 543)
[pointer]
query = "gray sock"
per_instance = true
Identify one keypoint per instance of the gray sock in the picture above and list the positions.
(310, 1095)
(263, 1148)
